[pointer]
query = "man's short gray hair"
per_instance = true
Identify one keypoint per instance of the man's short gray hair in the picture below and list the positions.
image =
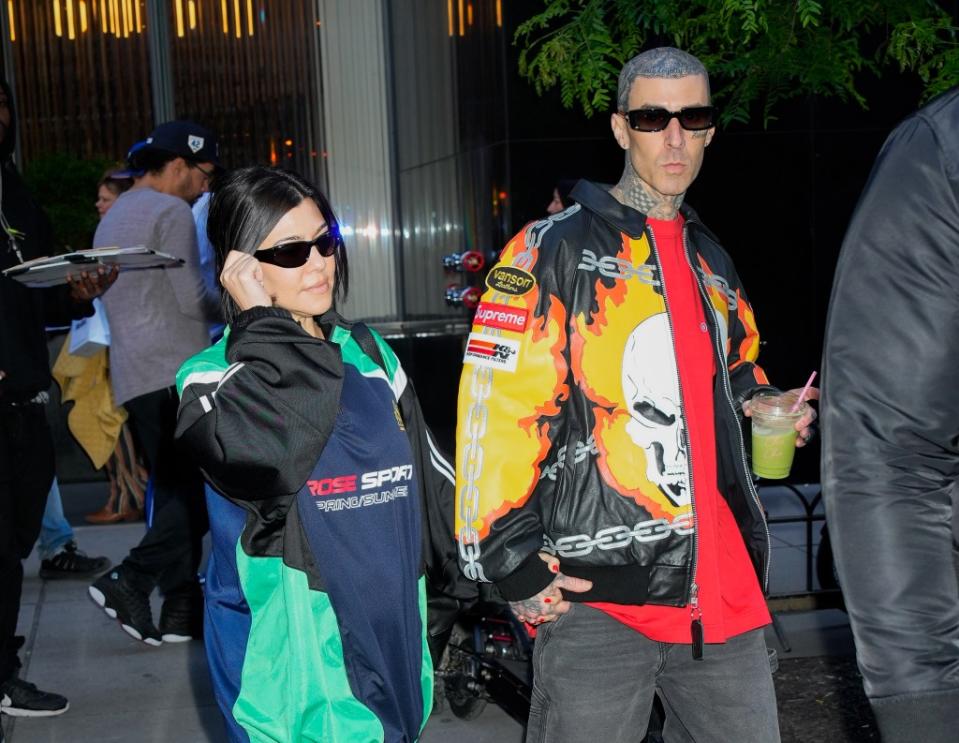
(662, 62)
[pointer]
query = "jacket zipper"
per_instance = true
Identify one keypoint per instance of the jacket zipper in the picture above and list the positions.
(695, 624)
(727, 387)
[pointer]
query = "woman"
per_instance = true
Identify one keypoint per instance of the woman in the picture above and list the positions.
(561, 199)
(113, 183)
(127, 475)
(315, 590)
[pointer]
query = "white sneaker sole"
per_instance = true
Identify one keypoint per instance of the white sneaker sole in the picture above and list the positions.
(19, 712)
(97, 595)
(176, 638)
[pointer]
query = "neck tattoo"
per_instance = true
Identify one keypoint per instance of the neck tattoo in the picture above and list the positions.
(634, 192)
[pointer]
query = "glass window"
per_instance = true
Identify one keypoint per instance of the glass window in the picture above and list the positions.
(81, 75)
(249, 70)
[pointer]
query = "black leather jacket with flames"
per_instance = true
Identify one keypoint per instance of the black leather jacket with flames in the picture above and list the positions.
(571, 435)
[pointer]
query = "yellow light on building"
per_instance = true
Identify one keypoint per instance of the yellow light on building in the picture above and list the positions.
(114, 12)
(57, 22)
(13, 28)
(249, 17)
(449, 14)
(136, 15)
(223, 14)
(104, 17)
(236, 18)
(462, 19)
(83, 16)
(469, 13)
(71, 29)
(499, 13)
(179, 19)
(191, 7)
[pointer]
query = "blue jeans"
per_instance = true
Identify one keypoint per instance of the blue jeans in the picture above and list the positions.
(594, 679)
(55, 530)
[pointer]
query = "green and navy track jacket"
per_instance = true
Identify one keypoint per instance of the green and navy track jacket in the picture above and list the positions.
(319, 462)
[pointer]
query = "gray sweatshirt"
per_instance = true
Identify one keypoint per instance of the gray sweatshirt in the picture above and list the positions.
(158, 317)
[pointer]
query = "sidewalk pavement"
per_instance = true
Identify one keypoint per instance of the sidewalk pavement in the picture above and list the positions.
(123, 691)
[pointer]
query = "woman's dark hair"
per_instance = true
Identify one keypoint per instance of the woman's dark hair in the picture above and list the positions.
(563, 187)
(245, 207)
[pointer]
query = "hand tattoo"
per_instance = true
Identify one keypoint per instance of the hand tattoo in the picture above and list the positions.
(531, 610)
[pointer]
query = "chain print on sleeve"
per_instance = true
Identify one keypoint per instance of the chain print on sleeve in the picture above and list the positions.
(481, 384)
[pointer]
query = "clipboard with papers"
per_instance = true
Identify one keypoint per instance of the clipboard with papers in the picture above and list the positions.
(53, 270)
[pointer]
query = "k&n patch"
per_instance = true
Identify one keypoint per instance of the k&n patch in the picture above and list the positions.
(492, 351)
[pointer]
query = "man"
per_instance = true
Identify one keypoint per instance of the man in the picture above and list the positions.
(60, 557)
(890, 458)
(26, 447)
(158, 319)
(601, 454)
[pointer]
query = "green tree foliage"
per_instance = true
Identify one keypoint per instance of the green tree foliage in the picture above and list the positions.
(66, 187)
(759, 52)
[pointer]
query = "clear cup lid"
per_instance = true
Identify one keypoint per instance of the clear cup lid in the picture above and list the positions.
(779, 406)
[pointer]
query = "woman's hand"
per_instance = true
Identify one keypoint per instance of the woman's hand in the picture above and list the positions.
(242, 277)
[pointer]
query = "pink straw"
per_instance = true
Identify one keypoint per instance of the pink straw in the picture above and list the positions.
(802, 395)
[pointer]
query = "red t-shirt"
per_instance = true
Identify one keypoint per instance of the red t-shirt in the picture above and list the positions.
(730, 599)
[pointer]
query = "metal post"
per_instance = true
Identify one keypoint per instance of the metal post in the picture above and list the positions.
(161, 77)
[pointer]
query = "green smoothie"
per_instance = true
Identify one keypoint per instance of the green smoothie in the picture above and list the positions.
(773, 450)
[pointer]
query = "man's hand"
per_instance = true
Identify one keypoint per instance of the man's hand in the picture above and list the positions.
(805, 424)
(90, 285)
(549, 604)
(242, 277)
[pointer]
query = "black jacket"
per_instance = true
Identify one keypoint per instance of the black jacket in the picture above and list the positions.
(890, 461)
(25, 312)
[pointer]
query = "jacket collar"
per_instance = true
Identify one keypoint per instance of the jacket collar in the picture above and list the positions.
(597, 198)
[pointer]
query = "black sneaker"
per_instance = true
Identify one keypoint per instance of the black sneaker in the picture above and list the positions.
(70, 562)
(21, 699)
(181, 618)
(126, 603)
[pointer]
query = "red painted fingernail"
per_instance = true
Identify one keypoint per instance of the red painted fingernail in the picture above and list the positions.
(547, 600)
(554, 568)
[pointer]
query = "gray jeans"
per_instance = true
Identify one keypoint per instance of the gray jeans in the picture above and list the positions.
(594, 680)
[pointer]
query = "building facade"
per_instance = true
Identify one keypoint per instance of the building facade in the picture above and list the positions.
(395, 108)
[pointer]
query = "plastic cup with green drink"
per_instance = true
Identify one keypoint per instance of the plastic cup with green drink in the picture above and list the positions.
(774, 419)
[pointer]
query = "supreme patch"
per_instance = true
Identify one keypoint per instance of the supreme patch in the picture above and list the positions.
(501, 316)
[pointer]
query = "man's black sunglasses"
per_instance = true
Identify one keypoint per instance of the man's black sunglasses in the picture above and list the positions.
(693, 119)
(296, 254)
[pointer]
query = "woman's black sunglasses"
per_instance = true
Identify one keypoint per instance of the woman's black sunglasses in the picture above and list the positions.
(693, 119)
(296, 254)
